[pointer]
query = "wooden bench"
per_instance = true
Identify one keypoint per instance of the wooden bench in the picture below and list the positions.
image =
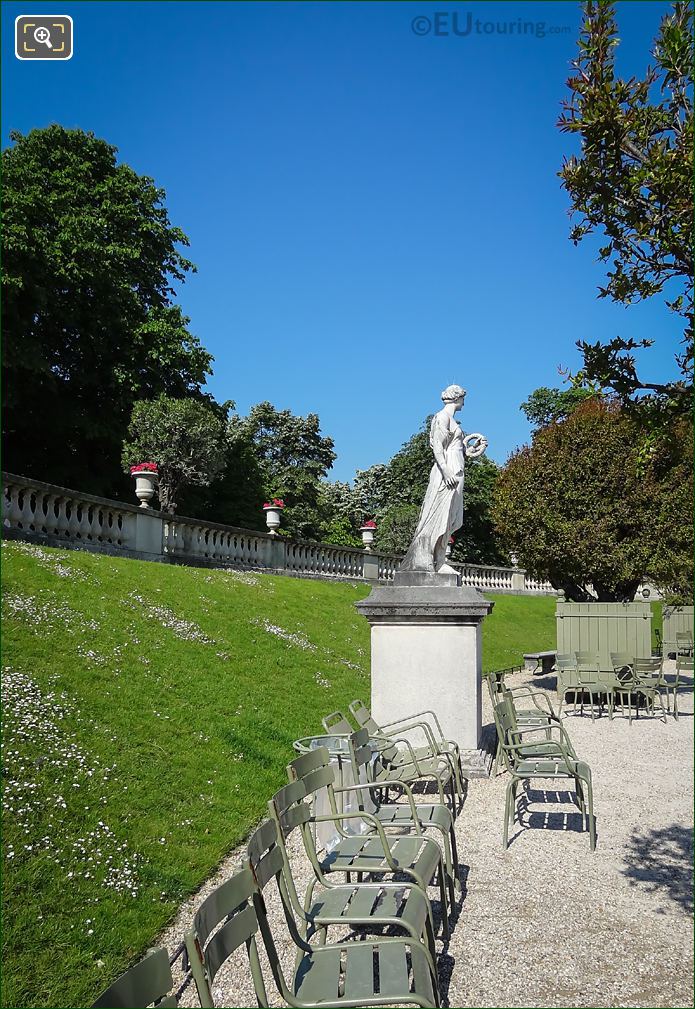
(539, 662)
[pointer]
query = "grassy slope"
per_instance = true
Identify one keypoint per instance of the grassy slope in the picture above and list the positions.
(139, 749)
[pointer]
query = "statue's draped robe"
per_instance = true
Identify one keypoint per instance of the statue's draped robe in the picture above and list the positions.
(442, 510)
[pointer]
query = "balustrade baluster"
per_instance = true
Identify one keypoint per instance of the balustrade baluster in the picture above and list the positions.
(12, 512)
(27, 516)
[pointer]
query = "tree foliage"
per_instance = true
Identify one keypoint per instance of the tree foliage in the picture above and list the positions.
(633, 182)
(89, 323)
(185, 437)
(547, 405)
(576, 508)
(293, 457)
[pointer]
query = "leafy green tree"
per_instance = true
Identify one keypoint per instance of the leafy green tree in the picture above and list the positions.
(544, 406)
(89, 324)
(293, 457)
(670, 533)
(633, 182)
(576, 509)
(369, 492)
(397, 527)
(477, 541)
(236, 497)
(339, 516)
(185, 437)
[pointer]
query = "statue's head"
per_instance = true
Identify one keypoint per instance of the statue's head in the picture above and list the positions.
(454, 393)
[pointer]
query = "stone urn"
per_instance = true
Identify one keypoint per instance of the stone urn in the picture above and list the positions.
(273, 511)
(449, 548)
(146, 481)
(367, 532)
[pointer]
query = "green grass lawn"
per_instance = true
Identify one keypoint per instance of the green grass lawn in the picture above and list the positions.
(149, 713)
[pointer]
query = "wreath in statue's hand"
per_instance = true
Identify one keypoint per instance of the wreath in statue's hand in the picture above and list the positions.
(475, 445)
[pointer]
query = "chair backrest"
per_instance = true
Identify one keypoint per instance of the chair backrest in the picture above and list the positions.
(149, 982)
(265, 862)
(587, 661)
(566, 666)
(337, 724)
(620, 660)
(313, 769)
(684, 638)
(363, 716)
(290, 812)
(231, 906)
(495, 683)
(361, 758)
(505, 723)
(647, 671)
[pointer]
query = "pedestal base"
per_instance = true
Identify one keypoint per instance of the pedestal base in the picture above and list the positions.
(426, 654)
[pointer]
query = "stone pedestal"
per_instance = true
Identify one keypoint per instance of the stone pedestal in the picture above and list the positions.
(426, 653)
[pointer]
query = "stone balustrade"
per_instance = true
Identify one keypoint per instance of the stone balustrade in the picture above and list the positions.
(57, 516)
(486, 577)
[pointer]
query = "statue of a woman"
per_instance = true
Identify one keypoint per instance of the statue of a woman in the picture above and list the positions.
(442, 510)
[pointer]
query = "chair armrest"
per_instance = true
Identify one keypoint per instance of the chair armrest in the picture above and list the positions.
(418, 714)
(412, 758)
(377, 787)
(557, 748)
(533, 694)
(566, 741)
(368, 818)
(424, 728)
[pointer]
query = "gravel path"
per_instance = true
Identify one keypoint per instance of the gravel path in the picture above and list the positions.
(549, 923)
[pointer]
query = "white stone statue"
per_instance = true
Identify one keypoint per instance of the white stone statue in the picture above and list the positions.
(442, 510)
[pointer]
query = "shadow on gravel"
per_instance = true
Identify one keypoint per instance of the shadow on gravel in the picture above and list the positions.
(546, 819)
(661, 861)
(544, 683)
(446, 962)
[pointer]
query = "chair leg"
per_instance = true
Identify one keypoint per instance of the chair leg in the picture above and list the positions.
(442, 897)
(455, 859)
(496, 765)
(592, 824)
(507, 806)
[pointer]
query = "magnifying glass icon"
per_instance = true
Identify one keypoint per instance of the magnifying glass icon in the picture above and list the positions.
(43, 35)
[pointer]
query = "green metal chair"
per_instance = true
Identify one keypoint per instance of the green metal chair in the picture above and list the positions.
(400, 757)
(337, 974)
(425, 722)
(403, 816)
(567, 679)
(592, 683)
(549, 759)
(684, 679)
(623, 682)
(649, 683)
(354, 905)
(148, 983)
(684, 644)
(541, 712)
(438, 760)
(417, 857)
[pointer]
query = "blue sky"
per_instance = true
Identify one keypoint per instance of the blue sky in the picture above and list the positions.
(374, 213)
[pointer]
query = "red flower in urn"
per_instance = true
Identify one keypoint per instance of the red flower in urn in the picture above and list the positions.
(144, 467)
